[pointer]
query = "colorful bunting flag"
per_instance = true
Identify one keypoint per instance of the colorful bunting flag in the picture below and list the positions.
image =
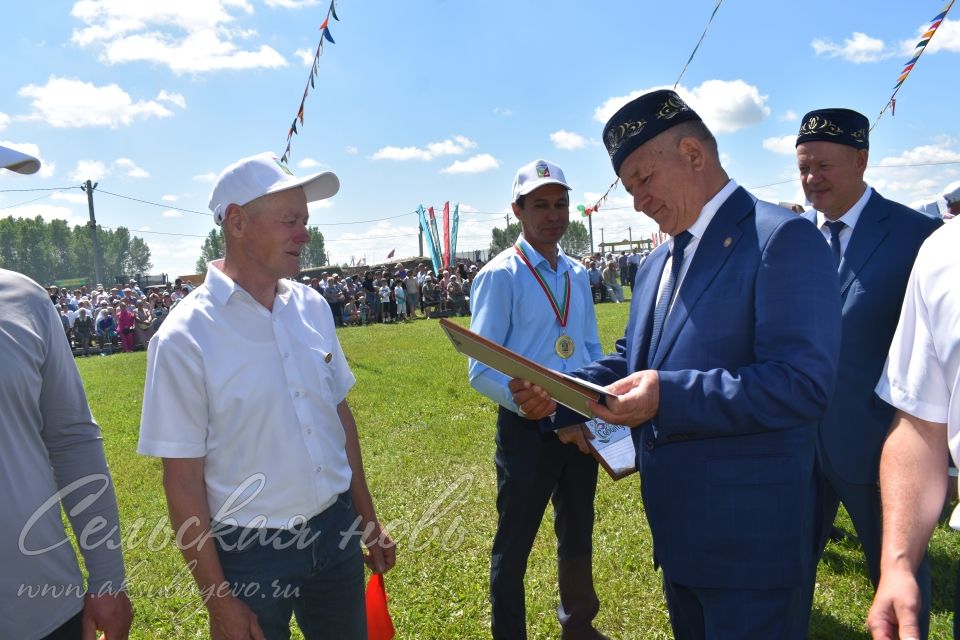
(435, 236)
(912, 63)
(446, 234)
(453, 231)
(431, 247)
(311, 81)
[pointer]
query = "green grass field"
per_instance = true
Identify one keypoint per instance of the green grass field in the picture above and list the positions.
(427, 441)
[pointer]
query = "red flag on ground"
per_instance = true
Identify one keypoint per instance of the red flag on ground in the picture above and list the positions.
(379, 624)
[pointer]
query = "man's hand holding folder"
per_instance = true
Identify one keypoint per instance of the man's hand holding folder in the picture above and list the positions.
(630, 401)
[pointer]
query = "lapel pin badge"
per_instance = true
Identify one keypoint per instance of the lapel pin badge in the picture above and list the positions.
(727, 241)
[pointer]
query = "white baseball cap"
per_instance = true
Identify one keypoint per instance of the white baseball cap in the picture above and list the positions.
(535, 175)
(18, 161)
(256, 176)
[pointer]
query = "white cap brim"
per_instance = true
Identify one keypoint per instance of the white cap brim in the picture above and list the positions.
(532, 185)
(318, 186)
(18, 161)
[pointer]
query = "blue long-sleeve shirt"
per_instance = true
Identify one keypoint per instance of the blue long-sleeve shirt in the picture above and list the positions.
(509, 307)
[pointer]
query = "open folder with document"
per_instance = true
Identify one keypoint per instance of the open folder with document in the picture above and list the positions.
(611, 449)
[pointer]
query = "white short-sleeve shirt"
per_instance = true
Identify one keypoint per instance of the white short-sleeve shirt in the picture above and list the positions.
(254, 393)
(922, 374)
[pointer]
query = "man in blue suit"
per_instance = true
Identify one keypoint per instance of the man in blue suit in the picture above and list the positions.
(874, 242)
(727, 363)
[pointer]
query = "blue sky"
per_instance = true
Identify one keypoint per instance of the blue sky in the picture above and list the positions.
(433, 100)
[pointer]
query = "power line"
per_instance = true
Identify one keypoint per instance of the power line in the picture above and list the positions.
(43, 197)
(158, 233)
(50, 189)
(157, 204)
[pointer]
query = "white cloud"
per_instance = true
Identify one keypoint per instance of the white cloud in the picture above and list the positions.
(129, 168)
(307, 163)
(351, 150)
(188, 36)
(914, 175)
(947, 38)
(73, 196)
(89, 170)
(725, 105)
(401, 154)
(784, 145)
(457, 146)
(449, 147)
(4, 121)
(567, 140)
(173, 98)
(170, 197)
(788, 116)
(47, 169)
(506, 112)
(210, 177)
(171, 213)
(477, 164)
(306, 56)
(924, 154)
(68, 103)
(291, 4)
(857, 49)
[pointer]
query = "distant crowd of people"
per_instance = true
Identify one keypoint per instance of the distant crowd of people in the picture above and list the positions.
(395, 295)
(102, 320)
(105, 320)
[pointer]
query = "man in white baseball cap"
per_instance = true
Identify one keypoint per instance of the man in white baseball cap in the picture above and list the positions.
(534, 175)
(18, 161)
(534, 299)
(260, 451)
(263, 174)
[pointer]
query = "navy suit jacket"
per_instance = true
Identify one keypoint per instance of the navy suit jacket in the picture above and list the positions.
(873, 278)
(747, 362)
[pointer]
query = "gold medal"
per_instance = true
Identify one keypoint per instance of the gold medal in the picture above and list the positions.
(564, 346)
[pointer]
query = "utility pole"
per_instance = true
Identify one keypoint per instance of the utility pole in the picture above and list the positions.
(630, 235)
(97, 266)
(601, 240)
(420, 240)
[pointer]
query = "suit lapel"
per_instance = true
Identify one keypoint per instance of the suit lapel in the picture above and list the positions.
(713, 250)
(645, 294)
(871, 229)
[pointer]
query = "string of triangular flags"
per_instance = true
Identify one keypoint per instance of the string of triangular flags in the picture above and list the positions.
(917, 52)
(311, 81)
(589, 211)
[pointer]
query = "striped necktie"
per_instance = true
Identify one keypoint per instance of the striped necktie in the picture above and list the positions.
(666, 296)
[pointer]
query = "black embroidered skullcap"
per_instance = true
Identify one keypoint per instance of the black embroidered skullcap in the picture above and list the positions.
(642, 119)
(843, 126)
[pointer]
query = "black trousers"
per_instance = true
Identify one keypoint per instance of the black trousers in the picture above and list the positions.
(69, 630)
(532, 469)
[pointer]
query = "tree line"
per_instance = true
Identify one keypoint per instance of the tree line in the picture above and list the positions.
(575, 241)
(52, 252)
(313, 254)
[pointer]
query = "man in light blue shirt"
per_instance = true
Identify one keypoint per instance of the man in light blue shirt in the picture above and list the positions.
(535, 300)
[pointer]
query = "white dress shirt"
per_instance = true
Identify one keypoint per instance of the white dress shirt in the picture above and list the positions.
(254, 393)
(697, 229)
(850, 219)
